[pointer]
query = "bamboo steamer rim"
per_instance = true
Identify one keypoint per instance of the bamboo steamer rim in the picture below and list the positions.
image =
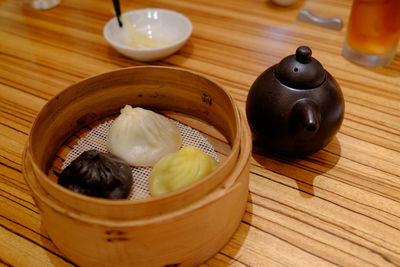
(45, 181)
(229, 185)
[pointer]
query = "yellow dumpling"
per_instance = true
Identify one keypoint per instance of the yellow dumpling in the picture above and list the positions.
(179, 169)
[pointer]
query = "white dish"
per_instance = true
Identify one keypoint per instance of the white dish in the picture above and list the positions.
(157, 23)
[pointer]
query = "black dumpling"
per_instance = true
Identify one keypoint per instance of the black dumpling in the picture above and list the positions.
(98, 174)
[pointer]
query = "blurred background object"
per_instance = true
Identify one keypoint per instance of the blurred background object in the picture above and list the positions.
(284, 2)
(41, 4)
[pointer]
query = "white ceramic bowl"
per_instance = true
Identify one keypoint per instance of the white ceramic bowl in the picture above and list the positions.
(157, 23)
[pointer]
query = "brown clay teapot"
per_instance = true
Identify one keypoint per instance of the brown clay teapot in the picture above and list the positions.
(295, 108)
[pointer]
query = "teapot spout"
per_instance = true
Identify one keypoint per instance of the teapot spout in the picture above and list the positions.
(309, 119)
(306, 115)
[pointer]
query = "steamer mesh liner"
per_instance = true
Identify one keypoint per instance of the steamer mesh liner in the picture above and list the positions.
(96, 139)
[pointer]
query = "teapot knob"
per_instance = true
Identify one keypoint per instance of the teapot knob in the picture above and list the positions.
(301, 70)
(303, 54)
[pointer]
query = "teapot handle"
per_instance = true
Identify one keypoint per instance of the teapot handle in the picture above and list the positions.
(306, 113)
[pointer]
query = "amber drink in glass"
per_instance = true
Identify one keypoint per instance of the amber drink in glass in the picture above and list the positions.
(373, 32)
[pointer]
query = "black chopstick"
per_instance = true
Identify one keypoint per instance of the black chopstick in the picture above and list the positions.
(117, 11)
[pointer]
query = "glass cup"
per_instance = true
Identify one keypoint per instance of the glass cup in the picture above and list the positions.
(373, 32)
(41, 4)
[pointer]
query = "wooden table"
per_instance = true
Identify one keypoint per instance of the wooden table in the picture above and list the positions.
(340, 206)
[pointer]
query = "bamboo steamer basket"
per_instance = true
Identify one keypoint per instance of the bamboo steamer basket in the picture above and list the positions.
(182, 228)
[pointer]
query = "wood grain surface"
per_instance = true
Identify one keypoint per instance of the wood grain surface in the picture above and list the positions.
(339, 206)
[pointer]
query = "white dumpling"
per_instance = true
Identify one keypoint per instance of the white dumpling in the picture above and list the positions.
(141, 137)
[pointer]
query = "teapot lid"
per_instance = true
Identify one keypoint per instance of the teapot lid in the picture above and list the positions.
(300, 71)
